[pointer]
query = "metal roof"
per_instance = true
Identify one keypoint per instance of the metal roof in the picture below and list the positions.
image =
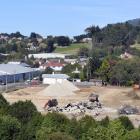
(55, 76)
(14, 69)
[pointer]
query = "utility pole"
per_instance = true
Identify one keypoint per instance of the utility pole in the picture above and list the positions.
(6, 82)
(14, 78)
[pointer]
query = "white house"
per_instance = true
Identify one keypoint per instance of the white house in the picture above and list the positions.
(54, 78)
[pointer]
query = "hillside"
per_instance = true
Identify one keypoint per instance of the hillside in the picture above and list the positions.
(134, 22)
(72, 49)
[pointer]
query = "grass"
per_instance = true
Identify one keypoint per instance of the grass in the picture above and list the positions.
(72, 49)
(137, 46)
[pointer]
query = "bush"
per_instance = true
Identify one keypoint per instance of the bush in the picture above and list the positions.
(9, 128)
(126, 123)
(23, 111)
(3, 102)
(59, 136)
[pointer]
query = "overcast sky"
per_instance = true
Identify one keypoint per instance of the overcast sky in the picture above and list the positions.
(63, 17)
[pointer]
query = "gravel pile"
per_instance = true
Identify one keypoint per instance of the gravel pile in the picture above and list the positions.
(65, 88)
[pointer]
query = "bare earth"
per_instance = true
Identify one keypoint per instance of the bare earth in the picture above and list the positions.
(111, 97)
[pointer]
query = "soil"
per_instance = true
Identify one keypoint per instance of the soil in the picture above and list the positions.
(111, 97)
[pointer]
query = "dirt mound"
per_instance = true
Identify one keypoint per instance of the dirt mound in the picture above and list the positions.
(134, 94)
(57, 90)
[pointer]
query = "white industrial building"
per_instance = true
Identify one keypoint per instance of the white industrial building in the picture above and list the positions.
(48, 55)
(15, 73)
(54, 78)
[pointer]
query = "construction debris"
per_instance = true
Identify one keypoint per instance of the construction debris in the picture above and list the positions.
(90, 106)
(51, 103)
(93, 97)
(128, 110)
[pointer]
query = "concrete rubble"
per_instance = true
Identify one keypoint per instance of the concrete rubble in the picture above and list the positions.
(128, 110)
(92, 106)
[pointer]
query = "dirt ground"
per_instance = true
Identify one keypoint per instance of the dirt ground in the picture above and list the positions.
(111, 97)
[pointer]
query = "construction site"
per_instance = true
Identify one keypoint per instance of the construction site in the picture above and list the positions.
(77, 101)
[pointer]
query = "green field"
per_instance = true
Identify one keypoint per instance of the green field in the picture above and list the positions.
(137, 46)
(72, 49)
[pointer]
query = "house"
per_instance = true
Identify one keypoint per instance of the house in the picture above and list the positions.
(16, 73)
(86, 40)
(54, 78)
(54, 65)
(126, 55)
(71, 61)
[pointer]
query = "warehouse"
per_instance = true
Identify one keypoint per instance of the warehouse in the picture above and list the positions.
(54, 78)
(48, 55)
(16, 73)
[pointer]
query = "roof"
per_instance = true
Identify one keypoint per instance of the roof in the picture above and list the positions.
(48, 55)
(14, 69)
(53, 64)
(55, 76)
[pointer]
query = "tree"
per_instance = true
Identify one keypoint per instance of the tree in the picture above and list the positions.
(86, 123)
(104, 122)
(104, 70)
(132, 135)
(55, 136)
(23, 111)
(115, 130)
(50, 44)
(98, 133)
(93, 31)
(126, 123)
(3, 102)
(62, 40)
(28, 131)
(83, 52)
(48, 70)
(9, 128)
(4, 105)
(52, 123)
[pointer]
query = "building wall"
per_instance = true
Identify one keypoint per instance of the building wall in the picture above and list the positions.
(52, 81)
(18, 77)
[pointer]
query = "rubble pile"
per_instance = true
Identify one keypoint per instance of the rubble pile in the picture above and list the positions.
(128, 110)
(92, 106)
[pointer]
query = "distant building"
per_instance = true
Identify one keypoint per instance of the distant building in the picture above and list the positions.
(71, 61)
(15, 73)
(126, 56)
(48, 55)
(56, 66)
(18, 63)
(86, 40)
(54, 78)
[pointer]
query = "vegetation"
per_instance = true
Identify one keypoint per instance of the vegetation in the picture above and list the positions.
(21, 124)
(73, 48)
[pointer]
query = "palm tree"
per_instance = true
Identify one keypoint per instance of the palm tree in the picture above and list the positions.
(93, 31)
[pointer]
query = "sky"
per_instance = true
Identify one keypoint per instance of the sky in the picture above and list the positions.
(63, 17)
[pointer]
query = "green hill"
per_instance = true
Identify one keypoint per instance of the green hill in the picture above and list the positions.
(72, 49)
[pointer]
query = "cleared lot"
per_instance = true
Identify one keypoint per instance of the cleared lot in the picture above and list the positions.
(110, 97)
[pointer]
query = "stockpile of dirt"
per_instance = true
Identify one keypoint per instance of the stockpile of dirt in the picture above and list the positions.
(59, 89)
(134, 94)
